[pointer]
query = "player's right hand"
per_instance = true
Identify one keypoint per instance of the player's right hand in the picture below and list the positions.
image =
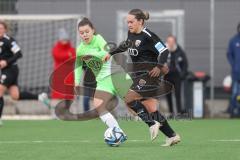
(106, 57)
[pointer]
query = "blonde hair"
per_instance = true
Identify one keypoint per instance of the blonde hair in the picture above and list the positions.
(4, 24)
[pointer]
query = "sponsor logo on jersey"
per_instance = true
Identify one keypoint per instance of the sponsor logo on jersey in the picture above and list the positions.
(132, 52)
(137, 43)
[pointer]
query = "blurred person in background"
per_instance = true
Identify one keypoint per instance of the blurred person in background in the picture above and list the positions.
(10, 52)
(62, 53)
(233, 56)
(178, 68)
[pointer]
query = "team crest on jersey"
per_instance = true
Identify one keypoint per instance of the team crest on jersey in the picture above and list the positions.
(137, 43)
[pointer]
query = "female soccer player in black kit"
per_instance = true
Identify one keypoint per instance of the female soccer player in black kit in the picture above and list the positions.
(10, 52)
(144, 46)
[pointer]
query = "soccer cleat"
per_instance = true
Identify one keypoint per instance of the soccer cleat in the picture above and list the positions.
(154, 129)
(124, 138)
(172, 141)
(43, 97)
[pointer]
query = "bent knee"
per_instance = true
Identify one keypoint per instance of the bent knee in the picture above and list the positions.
(15, 96)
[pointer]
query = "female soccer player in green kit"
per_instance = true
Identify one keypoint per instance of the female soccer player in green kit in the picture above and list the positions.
(91, 51)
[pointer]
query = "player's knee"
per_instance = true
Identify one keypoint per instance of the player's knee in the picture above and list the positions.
(14, 95)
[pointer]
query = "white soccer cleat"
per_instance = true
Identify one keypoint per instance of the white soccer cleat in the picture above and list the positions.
(154, 129)
(124, 138)
(172, 141)
(43, 97)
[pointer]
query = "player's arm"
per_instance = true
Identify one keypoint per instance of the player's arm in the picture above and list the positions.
(16, 50)
(162, 51)
(123, 46)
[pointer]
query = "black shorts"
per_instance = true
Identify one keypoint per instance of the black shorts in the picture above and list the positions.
(145, 85)
(9, 76)
(151, 87)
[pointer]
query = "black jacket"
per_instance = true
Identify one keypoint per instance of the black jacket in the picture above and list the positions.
(178, 62)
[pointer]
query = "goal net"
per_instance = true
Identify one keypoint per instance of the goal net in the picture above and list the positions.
(36, 35)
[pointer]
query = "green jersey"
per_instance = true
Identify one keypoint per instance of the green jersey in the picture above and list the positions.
(92, 55)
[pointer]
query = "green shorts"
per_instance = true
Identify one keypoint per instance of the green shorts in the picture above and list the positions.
(116, 84)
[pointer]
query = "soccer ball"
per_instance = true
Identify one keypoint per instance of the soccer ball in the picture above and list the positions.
(114, 136)
(227, 83)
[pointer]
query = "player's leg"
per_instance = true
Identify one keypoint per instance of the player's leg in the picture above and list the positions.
(105, 101)
(101, 102)
(2, 91)
(172, 137)
(6, 80)
(17, 95)
(133, 101)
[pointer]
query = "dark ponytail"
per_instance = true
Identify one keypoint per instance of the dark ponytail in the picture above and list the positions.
(139, 14)
(85, 21)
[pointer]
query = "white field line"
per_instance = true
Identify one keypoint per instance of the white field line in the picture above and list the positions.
(226, 140)
(63, 141)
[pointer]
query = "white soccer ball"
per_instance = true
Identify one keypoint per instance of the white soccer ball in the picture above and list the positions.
(227, 83)
(113, 136)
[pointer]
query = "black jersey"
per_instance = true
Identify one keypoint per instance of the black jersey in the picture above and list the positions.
(144, 47)
(9, 50)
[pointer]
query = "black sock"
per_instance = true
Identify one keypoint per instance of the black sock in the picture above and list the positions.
(27, 96)
(1, 106)
(165, 127)
(141, 111)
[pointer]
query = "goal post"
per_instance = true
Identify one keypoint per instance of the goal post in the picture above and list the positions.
(36, 35)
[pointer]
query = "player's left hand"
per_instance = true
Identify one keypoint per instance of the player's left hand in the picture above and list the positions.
(3, 64)
(155, 72)
(164, 69)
